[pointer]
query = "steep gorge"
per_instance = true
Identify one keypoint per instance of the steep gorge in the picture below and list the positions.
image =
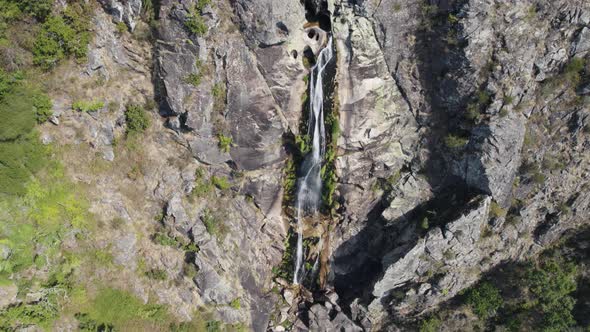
(319, 165)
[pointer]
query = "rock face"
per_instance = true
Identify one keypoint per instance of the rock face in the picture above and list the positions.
(126, 11)
(442, 69)
(378, 131)
(463, 140)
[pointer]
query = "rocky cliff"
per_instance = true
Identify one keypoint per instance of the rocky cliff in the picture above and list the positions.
(459, 142)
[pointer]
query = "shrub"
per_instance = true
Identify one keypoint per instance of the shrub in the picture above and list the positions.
(87, 106)
(40, 9)
(573, 69)
(213, 225)
(121, 28)
(496, 211)
(136, 118)
(193, 79)
(235, 303)
(430, 324)
(552, 283)
(42, 105)
(220, 182)
(218, 92)
(455, 142)
(195, 24)
(225, 142)
(484, 300)
(194, 21)
(62, 36)
(156, 274)
(424, 223)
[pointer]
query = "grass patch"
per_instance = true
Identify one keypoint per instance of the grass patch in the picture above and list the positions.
(214, 225)
(119, 310)
(87, 106)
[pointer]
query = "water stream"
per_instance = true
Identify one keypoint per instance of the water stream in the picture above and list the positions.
(309, 190)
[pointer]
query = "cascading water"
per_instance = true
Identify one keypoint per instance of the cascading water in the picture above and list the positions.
(310, 184)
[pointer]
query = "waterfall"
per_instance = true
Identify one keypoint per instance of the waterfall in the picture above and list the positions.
(309, 190)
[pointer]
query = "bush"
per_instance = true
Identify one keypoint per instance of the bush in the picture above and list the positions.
(496, 211)
(62, 36)
(455, 142)
(552, 283)
(220, 182)
(225, 142)
(137, 119)
(235, 303)
(40, 9)
(430, 324)
(213, 225)
(194, 21)
(156, 274)
(484, 300)
(87, 106)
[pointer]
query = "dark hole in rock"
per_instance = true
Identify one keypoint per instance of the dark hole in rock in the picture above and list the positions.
(294, 54)
(282, 27)
(308, 56)
(317, 11)
(311, 34)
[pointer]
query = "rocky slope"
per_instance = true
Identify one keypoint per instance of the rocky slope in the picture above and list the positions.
(462, 144)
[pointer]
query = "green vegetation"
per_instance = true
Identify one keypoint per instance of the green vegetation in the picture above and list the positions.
(570, 77)
(117, 309)
(285, 268)
(328, 171)
(303, 144)
(214, 225)
(430, 324)
(63, 35)
(121, 28)
(156, 274)
(552, 163)
(235, 303)
(164, 239)
(479, 103)
(484, 300)
(87, 106)
(496, 211)
(533, 296)
(137, 119)
(21, 154)
(424, 223)
(194, 21)
(289, 182)
(225, 142)
(220, 182)
(455, 142)
(218, 92)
